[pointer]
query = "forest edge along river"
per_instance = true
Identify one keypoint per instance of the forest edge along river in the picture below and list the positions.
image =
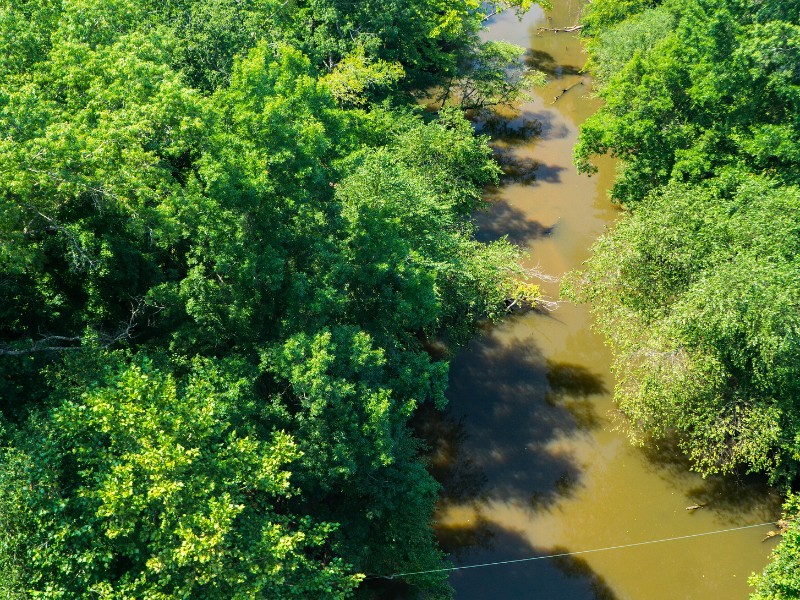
(529, 454)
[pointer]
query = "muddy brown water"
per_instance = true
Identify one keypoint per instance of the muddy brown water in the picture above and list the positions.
(527, 452)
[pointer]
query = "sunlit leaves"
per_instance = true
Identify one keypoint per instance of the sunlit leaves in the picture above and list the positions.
(614, 47)
(718, 88)
(356, 75)
(696, 289)
(217, 179)
(160, 490)
(781, 578)
(703, 320)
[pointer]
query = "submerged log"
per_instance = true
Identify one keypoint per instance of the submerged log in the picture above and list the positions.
(571, 29)
(782, 525)
(564, 91)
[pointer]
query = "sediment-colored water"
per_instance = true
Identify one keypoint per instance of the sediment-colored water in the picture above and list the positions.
(527, 452)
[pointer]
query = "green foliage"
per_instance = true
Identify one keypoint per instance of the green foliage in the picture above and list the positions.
(400, 268)
(696, 289)
(427, 38)
(91, 148)
(491, 73)
(145, 487)
(25, 33)
(615, 46)
(781, 578)
(213, 184)
(602, 15)
(356, 75)
(720, 90)
(703, 321)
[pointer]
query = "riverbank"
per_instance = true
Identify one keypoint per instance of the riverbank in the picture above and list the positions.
(530, 458)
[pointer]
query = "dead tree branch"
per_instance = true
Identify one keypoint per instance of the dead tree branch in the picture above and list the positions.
(571, 29)
(57, 343)
(564, 91)
(46, 344)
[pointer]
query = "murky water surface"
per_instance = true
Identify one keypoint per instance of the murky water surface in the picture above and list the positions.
(527, 453)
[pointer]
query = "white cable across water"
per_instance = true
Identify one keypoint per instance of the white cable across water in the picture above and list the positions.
(519, 560)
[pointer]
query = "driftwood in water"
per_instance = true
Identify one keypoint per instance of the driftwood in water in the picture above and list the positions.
(517, 305)
(782, 524)
(571, 29)
(556, 99)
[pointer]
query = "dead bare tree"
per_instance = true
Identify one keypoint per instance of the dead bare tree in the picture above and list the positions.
(66, 343)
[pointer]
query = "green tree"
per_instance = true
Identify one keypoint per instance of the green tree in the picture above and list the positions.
(696, 287)
(702, 319)
(92, 149)
(720, 90)
(490, 74)
(781, 578)
(279, 243)
(144, 486)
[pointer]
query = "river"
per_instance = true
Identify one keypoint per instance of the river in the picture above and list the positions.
(528, 453)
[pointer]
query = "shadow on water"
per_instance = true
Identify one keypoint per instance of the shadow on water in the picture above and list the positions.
(501, 218)
(735, 497)
(508, 132)
(444, 435)
(564, 577)
(549, 173)
(519, 403)
(742, 497)
(459, 540)
(551, 127)
(572, 386)
(520, 127)
(547, 64)
(512, 129)
(577, 568)
(522, 170)
(559, 578)
(505, 220)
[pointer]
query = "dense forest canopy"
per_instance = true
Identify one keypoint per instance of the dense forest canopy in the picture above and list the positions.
(697, 288)
(695, 89)
(225, 236)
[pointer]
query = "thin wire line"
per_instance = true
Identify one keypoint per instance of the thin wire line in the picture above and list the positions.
(519, 560)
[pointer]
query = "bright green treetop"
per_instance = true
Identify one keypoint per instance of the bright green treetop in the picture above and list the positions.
(212, 184)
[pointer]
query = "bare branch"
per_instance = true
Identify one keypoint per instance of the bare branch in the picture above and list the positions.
(571, 29)
(50, 343)
(81, 255)
(43, 345)
(564, 91)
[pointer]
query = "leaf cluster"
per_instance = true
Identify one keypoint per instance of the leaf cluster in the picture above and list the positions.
(696, 288)
(692, 88)
(702, 318)
(224, 243)
(781, 578)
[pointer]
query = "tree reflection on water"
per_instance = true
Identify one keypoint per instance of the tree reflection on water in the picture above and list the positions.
(512, 403)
